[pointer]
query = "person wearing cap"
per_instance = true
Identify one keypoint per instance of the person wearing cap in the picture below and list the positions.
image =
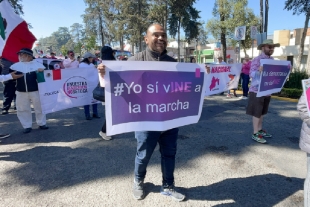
(258, 106)
(70, 62)
(27, 90)
(87, 62)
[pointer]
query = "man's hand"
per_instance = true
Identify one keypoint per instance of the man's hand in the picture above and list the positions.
(260, 69)
(101, 69)
(15, 76)
(40, 69)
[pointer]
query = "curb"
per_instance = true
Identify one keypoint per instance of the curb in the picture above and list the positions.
(277, 98)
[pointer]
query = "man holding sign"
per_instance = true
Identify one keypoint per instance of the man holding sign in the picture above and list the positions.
(156, 40)
(258, 106)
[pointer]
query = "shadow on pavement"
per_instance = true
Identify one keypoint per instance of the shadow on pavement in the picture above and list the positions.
(261, 190)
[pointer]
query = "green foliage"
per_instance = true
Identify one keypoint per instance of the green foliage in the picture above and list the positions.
(90, 43)
(291, 92)
(298, 6)
(17, 6)
(295, 78)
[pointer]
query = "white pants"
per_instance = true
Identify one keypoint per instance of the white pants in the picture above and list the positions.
(23, 105)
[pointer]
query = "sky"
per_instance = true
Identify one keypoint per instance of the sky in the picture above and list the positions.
(46, 16)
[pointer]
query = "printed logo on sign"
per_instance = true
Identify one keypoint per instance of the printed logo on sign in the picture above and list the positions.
(51, 93)
(75, 87)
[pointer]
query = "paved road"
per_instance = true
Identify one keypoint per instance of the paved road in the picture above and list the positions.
(217, 162)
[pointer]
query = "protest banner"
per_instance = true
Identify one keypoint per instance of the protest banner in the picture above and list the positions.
(156, 96)
(51, 64)
(66, 88)
(306, 89)
(273, 77)
(222, 78)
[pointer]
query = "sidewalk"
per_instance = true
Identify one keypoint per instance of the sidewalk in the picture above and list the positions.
(217, 164)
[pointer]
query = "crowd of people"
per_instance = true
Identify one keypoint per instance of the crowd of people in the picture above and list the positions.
(24, 82)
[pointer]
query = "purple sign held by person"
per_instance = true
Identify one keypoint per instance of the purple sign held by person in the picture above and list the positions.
(163, 96)
(273, 77)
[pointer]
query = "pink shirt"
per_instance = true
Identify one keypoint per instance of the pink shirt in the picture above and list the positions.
(246, 68)
(254, 73)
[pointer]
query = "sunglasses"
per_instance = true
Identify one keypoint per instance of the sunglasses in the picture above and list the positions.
(270, 47)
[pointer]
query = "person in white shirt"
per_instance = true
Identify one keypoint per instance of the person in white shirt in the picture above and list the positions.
(87, 62)
(5, 78)
(70, 62)
(27, 90)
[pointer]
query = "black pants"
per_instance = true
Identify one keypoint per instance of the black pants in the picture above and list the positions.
(8, 94)
(104, 126)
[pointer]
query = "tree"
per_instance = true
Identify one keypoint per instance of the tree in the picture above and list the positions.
(183, 14)
(228, 16)
(242, 16)
(159, 12)
(77, 32)
(17, 6)
(300, 7)
(218, 26)
(90, 43)
(202, 37)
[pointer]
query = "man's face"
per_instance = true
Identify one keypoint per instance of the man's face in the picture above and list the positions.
(268, 49)
(71, 55)
(156, 38)
(220, 60)
(23, 57)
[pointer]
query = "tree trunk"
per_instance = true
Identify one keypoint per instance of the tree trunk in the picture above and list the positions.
(223, 38)
(302, 42)
(101, 28)
(223, 42)
(179, 53)
(166, 15)
(261, 16)
(266, 16)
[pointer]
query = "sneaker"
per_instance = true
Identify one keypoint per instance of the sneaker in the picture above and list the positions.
(4, 112)
(244, 97)
(170, 191)
(228, 96)
(43, 127)
(138, 191)
(87, 117)
(96, 116)
(2, 136)
(27, 130)
(264, 133)
(258, 138)
(104, 136)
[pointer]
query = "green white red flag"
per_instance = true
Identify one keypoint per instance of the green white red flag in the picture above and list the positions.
(14, 33)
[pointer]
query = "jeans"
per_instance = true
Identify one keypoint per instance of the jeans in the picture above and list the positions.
(245, 84)
(104, 126)
(146, 143)
(86, 109)
(8, 94)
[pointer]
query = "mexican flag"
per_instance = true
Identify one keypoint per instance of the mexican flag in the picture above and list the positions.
(14, 33)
